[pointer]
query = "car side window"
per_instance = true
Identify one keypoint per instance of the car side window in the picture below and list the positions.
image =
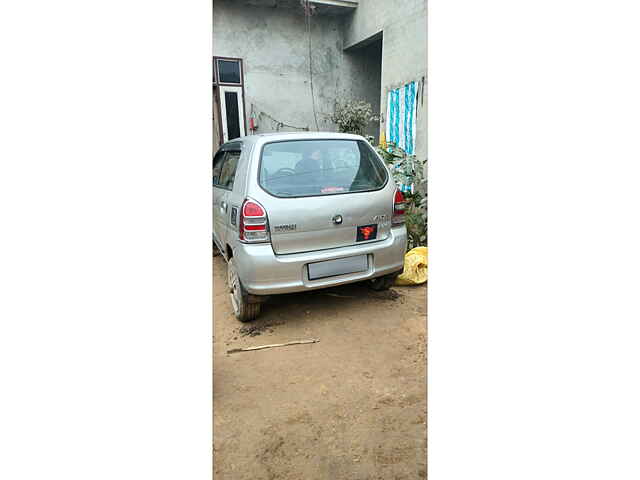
(218, 160)
(228, 173)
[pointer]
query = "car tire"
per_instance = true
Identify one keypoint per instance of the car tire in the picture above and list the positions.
(382, 283)
(244, 311)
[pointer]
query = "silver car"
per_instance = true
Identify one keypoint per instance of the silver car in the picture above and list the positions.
(303, 211)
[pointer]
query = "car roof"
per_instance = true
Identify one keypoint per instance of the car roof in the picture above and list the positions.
(276, 136)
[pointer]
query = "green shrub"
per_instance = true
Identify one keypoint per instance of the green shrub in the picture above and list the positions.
(353, 116)
(408, 170)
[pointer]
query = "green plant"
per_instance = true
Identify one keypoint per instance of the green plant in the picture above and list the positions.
(407, 172)
(353, 116)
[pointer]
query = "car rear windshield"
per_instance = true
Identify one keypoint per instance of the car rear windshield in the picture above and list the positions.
(300, 168)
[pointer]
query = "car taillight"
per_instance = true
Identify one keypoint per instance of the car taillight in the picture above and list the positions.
(398, 208)
(253, 225)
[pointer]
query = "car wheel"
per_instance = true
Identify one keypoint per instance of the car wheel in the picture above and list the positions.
(382, 283)
(244, 311)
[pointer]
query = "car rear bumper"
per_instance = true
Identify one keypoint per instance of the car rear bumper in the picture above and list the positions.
(262, 272)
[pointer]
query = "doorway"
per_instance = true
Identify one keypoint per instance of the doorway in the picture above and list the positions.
(231, 112)
(228, 99)
(217, 128)
(363, 68)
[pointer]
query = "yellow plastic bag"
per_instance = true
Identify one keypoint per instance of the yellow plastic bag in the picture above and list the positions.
(415, 267)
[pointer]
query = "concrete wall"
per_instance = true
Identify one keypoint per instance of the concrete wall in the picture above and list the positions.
(271, 37)
(403, 24)
(272, 41)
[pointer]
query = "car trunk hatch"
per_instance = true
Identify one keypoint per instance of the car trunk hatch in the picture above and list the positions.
(329, 221)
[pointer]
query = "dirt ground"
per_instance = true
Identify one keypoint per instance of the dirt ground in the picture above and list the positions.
(352, 406)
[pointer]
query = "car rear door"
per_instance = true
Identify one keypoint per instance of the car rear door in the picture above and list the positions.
(319, 223)
(225, 187)
(218, 194)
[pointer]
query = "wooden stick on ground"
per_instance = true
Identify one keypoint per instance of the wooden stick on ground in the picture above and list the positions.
(249, 349)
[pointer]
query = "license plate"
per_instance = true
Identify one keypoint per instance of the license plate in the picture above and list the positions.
(366, 232)
(340, 266)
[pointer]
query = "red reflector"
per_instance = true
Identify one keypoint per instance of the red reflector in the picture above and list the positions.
(260, 228)
(366, 232)
(399, 198)
(253, 210)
